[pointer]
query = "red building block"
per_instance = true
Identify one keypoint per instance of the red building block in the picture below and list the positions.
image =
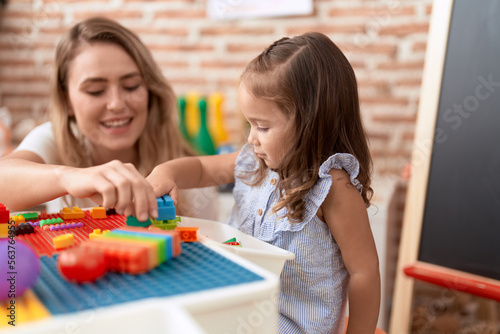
(4, 214)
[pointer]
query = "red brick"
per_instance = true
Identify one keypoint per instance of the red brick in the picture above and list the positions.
(325, 29)
(235, 30)
(246, 47)
(401, 65)
(223, 64)
(374, 11)
(181, 47)
(116, 15)
(404, 29)
(188, 13)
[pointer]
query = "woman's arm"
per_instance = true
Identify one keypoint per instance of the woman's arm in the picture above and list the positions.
(27, 181)
(345, 213)
(192, 172)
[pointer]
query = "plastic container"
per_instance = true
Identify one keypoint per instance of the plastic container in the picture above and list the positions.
(213, 234)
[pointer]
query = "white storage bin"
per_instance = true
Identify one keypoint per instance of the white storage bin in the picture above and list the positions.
(213, 233)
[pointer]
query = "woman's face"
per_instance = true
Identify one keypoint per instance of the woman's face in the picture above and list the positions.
(108, 97)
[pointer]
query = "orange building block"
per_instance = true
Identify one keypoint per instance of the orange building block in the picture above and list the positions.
(187, 234)
(4, 230)
(75, 213)
(98, 212)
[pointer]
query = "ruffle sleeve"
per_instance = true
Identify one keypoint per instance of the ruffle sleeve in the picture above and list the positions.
(320, 190)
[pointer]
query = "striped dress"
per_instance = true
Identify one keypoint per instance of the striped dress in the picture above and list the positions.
(313, 286)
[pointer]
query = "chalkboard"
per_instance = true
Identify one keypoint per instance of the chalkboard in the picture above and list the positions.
(451, 225)
(461, 222)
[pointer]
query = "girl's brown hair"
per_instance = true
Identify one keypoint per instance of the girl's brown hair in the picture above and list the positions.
(161, 139)
(313, 83)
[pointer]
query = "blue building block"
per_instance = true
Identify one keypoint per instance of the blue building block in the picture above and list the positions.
(166, 208)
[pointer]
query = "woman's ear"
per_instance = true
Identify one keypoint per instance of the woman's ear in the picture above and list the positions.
(69, 108)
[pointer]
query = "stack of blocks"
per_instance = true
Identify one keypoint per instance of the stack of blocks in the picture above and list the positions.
(166, 215)
(4, 221)
(135, 250)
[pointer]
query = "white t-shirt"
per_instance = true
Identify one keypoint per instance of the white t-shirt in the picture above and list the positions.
(203, 201)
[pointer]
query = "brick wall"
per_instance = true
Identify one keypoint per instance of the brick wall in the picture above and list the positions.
(384, 40)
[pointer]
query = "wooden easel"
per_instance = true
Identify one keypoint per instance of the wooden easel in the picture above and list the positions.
(421, 161)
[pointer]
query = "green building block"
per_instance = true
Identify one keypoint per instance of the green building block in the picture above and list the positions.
(30, 215)
(51, 221)
(167, 224)
(132, 221)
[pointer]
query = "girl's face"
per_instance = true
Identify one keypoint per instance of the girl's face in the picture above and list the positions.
(269, 127)
(108, 97)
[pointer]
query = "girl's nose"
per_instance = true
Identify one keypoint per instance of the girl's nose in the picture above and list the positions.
(252, 138)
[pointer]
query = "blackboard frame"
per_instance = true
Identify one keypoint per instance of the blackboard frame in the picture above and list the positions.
(418, 185)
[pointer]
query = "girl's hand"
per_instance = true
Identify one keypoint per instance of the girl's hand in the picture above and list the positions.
(112, 185)
(162, 184)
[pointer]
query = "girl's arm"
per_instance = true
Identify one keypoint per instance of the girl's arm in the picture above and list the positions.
(192, 172)
(345, 214)
(27, 181)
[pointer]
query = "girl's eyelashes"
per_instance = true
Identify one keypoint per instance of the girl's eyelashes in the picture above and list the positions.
(95, 93)
(260, 129)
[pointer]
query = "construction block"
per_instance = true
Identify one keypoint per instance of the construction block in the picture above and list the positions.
(98, 233)
(75, 213)
(24, 228)
(152, 251)
(30, 215)
(152, 247)
(4, 214)
(63, 241)
(51, 221)
(43, 215)
(4, 230)
(176, 240)
(188, 234)
(58, 227)
(158, 243)
(121, 256)
(18, 219)
(98, 212)
(166, 224)
(166, 208)
(132, 221)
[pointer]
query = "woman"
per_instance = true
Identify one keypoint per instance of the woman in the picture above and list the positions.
(112, 119)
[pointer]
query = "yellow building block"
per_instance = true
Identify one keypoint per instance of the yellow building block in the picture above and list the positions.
(75, 213)
(64, 241)
(98, 233)
(18, 219)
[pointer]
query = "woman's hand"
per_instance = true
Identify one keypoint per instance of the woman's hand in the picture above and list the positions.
(112, 185)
